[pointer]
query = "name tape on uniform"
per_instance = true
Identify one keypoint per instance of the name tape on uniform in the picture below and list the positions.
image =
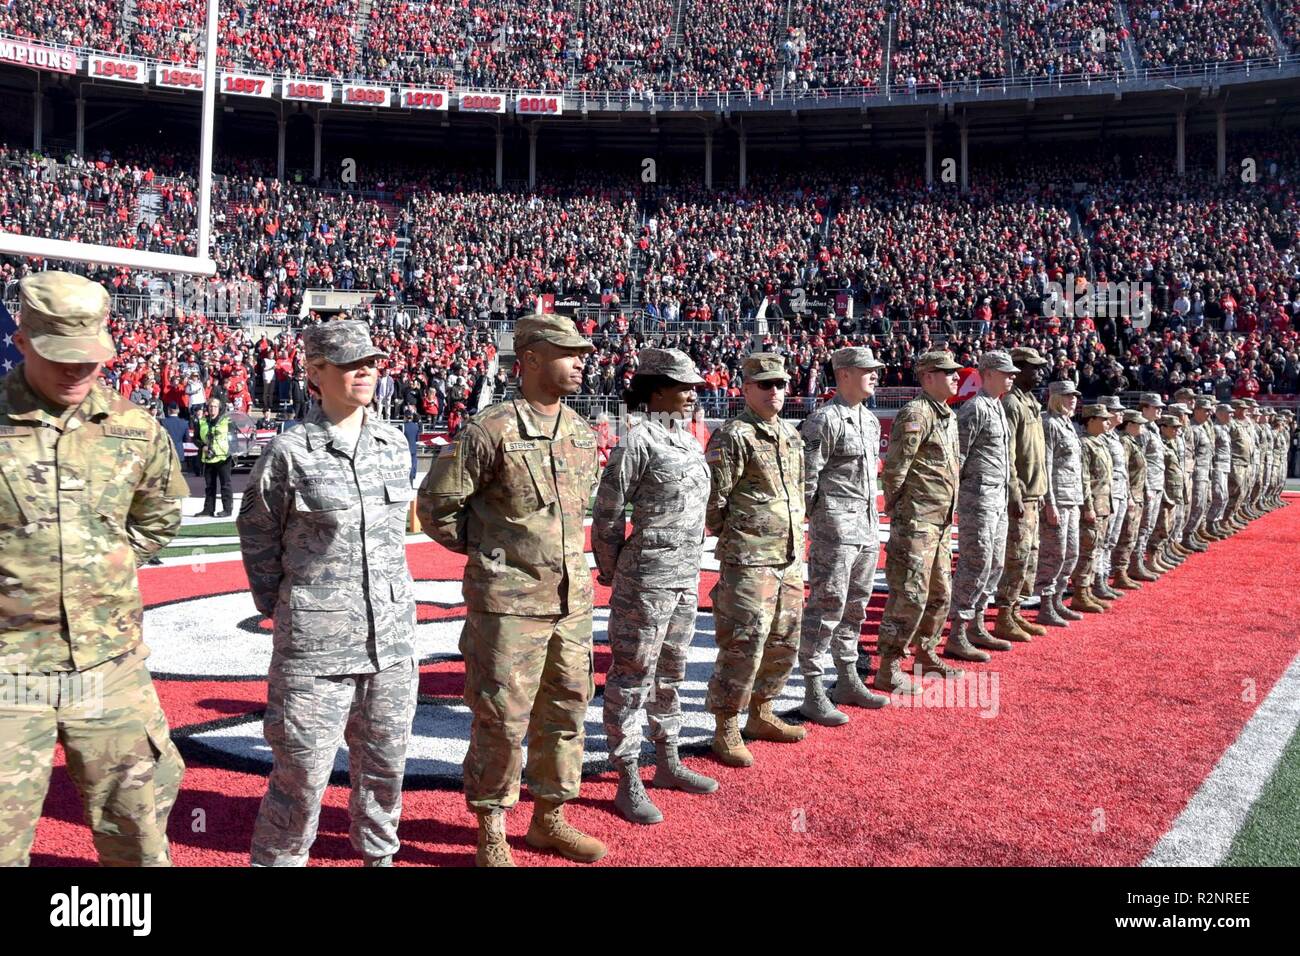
(521, 446)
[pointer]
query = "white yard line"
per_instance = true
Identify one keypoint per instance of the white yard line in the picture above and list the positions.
(1203, 833)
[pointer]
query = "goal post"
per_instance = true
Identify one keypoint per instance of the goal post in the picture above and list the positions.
(200, 264)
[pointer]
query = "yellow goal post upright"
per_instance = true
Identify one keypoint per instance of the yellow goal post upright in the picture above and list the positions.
(197, 265)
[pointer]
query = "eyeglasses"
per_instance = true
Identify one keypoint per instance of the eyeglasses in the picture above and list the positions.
(769, 385)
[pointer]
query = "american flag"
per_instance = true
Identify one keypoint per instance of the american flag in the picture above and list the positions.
(9, 354)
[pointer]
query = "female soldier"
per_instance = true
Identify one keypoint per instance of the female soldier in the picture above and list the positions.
(322, 529)
(1058, 549)
(659, 469)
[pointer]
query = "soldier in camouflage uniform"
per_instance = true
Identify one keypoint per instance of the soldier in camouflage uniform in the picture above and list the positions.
(658, 468)
(1151, 406)
(1094, 514)
(1119, 497)
(841, 443)
(1028, 485)
(984, 436)
(322, 528)
(922, 471)
(511, 492)
(1059, 550)
(90, 489)
(1135, 473)
(1183, 442)
(1173, 491)
(756, 508)
(1243, 450)
(1220, 466)
(1201, 440)
(1259, 464)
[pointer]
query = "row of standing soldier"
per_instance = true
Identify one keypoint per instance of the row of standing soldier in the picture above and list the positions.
(93, 488)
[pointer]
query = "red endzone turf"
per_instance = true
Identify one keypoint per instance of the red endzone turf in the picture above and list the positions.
(1104, 731)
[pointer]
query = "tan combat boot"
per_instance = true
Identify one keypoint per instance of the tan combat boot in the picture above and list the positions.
(1122, 580)
(550, 831)
(1026, 625)
(764, 724)
(959, 646)
(930, 663)
(492, 847)
(1084, 602)
(1007, 628)
(892, 678)
(727, 742)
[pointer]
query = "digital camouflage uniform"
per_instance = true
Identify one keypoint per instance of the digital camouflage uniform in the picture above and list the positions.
(1059, 548)
(1135, 472)
(1119, 492)
(658, 468)
(1153, 452)
(1028, 486)
(1200, 438)
(1095, 511)
(922, 471)
(1173, 492)
(841, 449)
(756, 508)
(511, 492)
(1220, 467)
(1243, 450)
(87, 494)
(984, 438)
(322, 528)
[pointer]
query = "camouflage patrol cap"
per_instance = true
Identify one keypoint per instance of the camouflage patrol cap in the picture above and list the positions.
(547, 327)
(855, 357)
(1170, 421)
(670, 363)
(1183, 393)
(1112, 403)
(62, 315)
(1251, 402)
(997, 361)
(1240, 403)
(937, 362)
(1133, 417)
(1094, 411)
(1023, 355)
(764, 367)
(1204, 401)
(1223, 407)
(1153, 399)
(1063, 387)
(1178, 408)
(340, 342)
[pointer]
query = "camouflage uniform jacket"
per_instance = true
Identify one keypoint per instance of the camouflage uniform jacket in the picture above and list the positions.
(1028, 450)
(1202, 442)
(1153, 449)
(756, 494)
(323, 535)
(85, 497)
(660, 471)
(841, 446)
(1097, 476)
(512, 497)
(923, 465)
(984, 437)
(1243, 444)
(1136, 469)
(1118, 466)
(1173, 472)
(1222, 460)
(1065, 472)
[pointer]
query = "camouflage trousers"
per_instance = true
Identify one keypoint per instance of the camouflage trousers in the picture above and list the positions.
(1150, 512)
(1218, 496)
(1164, 528)
(650, 630)
(841, 578)
(1118, 510)
(307, 717)
(918, 567)
(756, 613)
(1236, 490)
(1199, 505)
(981, 547)
(1092, 540)
(1058, 551)
(1021, 558)
(533, 675)
(119, 755)
(1130, 530)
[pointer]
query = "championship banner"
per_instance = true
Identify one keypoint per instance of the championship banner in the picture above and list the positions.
(37, 57)
(178, 78)
(481, 102)
(246, 84)
(367, 95)
(312, 91)
(540, 105)
(417, 99)
(843, 305)
(968, 383)
(112, 68)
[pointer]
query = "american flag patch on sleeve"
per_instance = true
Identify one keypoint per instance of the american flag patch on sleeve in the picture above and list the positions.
(448, 450)
(713, 455)
(912, 426)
